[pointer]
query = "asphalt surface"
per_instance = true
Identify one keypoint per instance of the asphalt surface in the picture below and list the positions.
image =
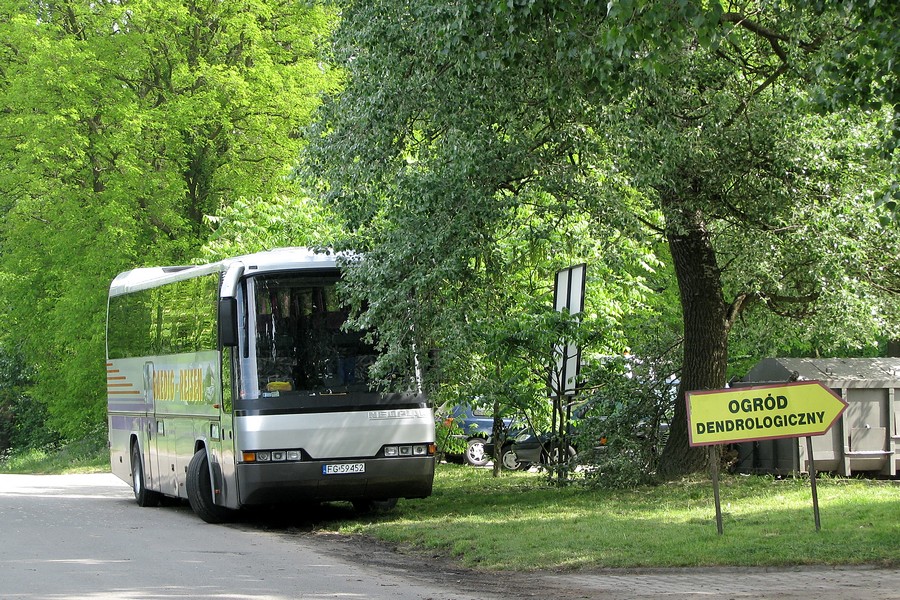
(82, 536)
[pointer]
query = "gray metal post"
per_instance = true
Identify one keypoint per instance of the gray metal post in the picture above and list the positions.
(812, 481)
(714, 467)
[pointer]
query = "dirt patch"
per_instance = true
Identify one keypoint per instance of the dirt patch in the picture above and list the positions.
(440, 570)
(784, 583)
(407, 562)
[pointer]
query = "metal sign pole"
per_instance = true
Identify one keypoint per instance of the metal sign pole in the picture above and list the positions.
(714, 469)
(812, 481)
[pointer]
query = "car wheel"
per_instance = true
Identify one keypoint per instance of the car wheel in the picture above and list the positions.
(546, 456)
(475, 454)
(511, 462)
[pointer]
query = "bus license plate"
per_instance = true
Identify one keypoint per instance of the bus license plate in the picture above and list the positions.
(343, 468)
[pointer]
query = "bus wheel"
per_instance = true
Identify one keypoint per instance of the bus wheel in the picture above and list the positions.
(143, 496)
(199, 491)
(371, 506)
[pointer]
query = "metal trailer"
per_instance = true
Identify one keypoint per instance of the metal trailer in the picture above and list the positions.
(865, 439)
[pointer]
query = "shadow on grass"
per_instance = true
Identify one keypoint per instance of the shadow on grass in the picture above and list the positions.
(518, 522)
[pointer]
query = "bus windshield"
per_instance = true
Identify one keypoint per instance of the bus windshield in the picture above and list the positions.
(301, 345)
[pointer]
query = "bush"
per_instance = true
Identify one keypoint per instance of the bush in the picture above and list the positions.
(86, 455)
(449, 438)
(628, 411)
(22, 418)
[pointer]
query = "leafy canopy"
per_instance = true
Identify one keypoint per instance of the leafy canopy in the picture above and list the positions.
(697, 125)
(124, 124)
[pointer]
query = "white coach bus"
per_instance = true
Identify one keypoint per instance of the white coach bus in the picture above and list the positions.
(235, 384)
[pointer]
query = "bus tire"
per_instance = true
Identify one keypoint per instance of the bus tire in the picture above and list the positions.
(366, 506)
(199, 491)
(142, 495)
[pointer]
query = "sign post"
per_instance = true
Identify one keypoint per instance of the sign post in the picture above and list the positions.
(568, 295)
(714, 468)
(812, 482)
(766, 412)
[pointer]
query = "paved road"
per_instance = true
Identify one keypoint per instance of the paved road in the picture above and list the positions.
(82, 536)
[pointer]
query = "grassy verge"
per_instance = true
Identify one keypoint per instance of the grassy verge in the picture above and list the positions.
(82, 456)
(516, 522)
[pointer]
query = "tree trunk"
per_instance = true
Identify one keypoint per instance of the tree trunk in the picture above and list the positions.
(705, 318)
(498, 430)
(893, 348)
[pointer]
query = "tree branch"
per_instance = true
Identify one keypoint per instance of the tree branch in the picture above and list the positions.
(740, 303)
(773, 37)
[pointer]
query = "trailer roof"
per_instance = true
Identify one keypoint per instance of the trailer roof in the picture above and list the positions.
(834, 372)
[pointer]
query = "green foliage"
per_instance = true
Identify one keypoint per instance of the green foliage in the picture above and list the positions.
(463, 199)
(253, 226)
(123, 126)
(543, 134)
(626, 419)
(86, 455)
(22, 419)
(451, 440)
(861, 69)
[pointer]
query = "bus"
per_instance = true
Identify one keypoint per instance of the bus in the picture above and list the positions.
(236, 384)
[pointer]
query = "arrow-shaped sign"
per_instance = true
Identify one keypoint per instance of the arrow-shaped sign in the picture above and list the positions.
(761, 412)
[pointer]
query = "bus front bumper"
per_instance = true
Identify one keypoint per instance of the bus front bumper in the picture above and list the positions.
(320, 481)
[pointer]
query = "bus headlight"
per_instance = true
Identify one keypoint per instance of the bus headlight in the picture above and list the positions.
(258, 456)
(410, 450)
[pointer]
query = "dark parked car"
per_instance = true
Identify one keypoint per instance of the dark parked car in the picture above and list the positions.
(477, 426)
(529, 448)
(526, 447)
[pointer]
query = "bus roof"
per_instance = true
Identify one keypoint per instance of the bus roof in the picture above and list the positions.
(278, 259)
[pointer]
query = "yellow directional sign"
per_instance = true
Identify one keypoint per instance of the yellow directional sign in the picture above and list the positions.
(761, 412)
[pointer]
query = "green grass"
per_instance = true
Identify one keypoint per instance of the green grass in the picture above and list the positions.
(82, 456)
(517, 522)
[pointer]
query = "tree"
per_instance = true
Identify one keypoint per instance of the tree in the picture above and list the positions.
(123, 125)
(691, 120)
(21, 419)
(255, 226)
(461, 237)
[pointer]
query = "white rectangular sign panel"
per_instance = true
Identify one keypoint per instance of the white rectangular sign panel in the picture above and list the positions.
(568, 295)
